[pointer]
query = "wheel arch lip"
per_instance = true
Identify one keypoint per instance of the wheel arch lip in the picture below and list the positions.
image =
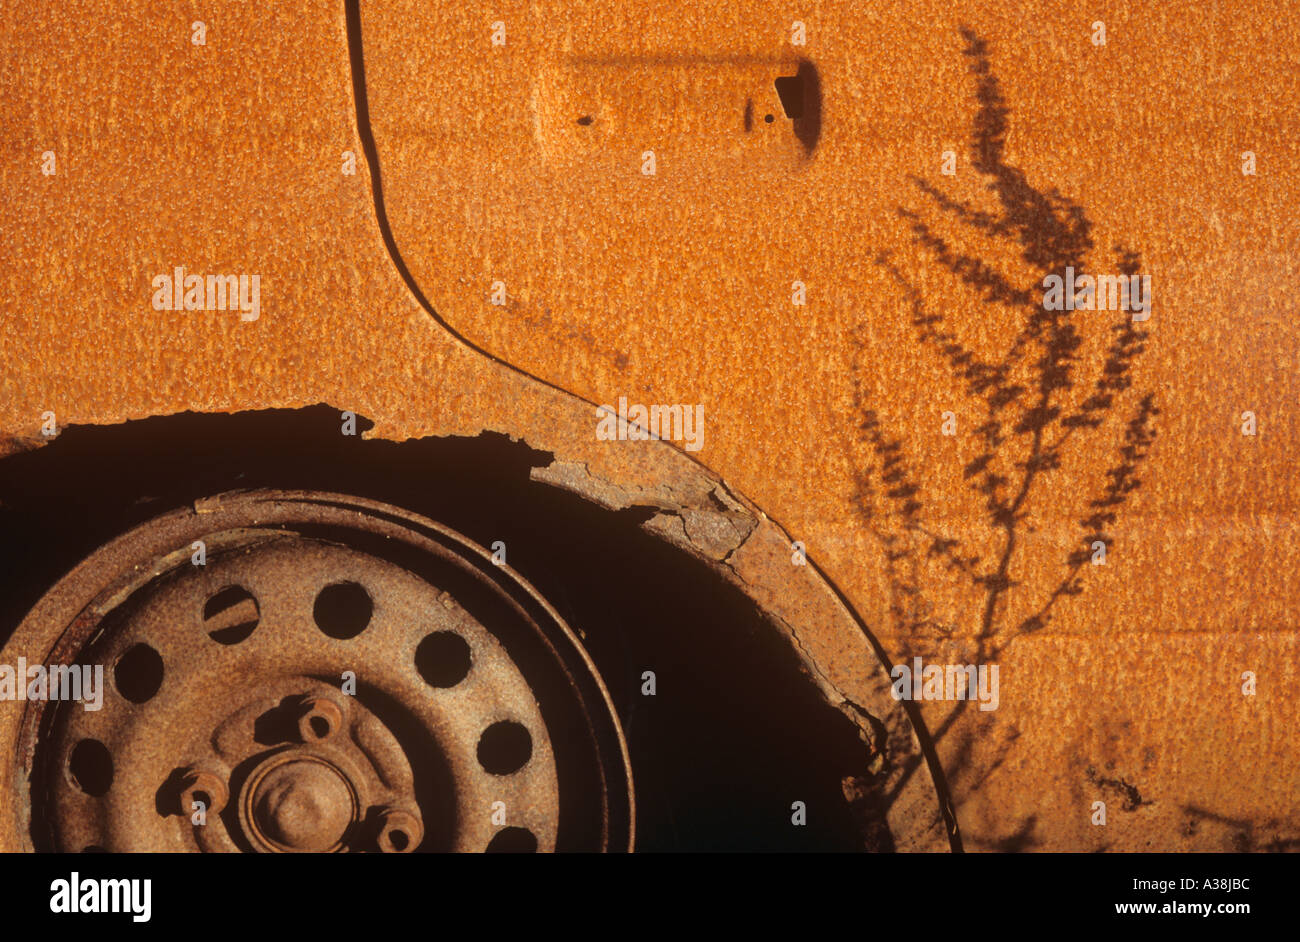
(688, 506)
(696, 511)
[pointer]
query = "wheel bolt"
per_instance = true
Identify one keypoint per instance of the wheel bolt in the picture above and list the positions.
(198, 785)
(400, 832)
(319, 719)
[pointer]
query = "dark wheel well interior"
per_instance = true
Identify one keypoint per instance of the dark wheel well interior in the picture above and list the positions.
(734, 734)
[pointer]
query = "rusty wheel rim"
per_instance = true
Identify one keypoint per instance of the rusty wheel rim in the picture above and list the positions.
(338, 675)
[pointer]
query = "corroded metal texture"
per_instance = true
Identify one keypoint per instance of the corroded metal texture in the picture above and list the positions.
(1121, 681)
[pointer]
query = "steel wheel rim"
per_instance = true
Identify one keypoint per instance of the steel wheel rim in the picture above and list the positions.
(571, 790)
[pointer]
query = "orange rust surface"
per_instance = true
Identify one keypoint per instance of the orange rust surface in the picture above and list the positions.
(676, 288)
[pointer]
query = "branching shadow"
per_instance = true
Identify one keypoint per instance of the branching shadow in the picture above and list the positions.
(1244, 836)
(1037, 405)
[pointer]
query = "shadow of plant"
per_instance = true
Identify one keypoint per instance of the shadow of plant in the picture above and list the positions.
(1036, 408)
(1243, 836)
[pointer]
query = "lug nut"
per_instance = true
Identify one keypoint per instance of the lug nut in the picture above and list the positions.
(399, 831)
(198, 785)
(319, 719)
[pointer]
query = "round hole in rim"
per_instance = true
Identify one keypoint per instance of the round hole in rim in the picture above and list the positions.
(91, 767)
(343, 610)
(443, 659)
(231, 615)
(512, 840)
(504, 747)
(138, 673)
